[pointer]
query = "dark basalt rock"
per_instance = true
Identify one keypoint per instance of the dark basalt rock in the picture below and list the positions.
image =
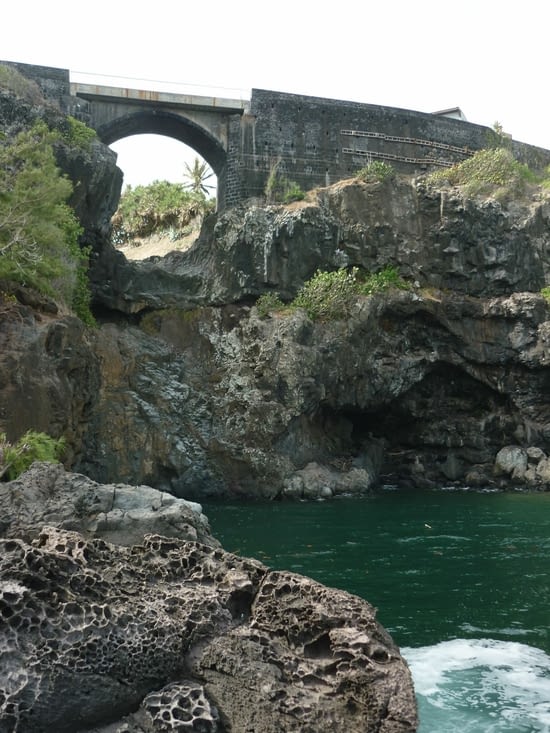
(184, 387)
(180, 636)
(416, 387)
(438, 238)
(49, 374)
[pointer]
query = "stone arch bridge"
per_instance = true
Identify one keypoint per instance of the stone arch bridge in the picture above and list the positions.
(312, 141)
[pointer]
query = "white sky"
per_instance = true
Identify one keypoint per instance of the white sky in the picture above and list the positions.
(489, 57)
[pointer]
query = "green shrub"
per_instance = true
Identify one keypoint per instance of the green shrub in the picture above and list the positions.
(328, 295)
(280, 189)
(375, 171)
(79, 135)
(159, 207)
(487, 171)
(292, 192)
(39, 231)
(267, 303)
(545, 292)
(23, 88)
(33, 446)
(386, 278)
(82, 296)
(331, 295)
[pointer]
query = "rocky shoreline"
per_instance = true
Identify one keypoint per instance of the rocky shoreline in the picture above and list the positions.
(121, 613)
(170, 633)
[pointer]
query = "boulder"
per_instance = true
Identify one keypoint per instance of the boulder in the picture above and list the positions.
(122, 514)
(542, 471)
(511, 460)
(316, 481)
(172, 635)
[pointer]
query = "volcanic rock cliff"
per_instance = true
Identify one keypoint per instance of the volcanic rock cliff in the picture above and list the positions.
(186, 388)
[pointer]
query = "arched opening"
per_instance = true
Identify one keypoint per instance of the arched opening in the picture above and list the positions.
(157, 145)
(147, 159)
(170, 125)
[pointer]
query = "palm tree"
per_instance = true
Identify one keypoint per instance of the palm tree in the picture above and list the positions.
(196, 176)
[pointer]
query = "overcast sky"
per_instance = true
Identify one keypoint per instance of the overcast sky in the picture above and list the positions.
(489, 57)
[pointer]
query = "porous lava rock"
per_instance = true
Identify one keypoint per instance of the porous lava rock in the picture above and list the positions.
(173, 635)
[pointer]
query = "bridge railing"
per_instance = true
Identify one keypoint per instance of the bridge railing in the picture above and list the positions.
(408, 140)
(158, 85)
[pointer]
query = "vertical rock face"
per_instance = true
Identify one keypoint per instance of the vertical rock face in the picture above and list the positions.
(415, 386)
(49, 374)
(438, 238)
(196, 638)
(186, 388)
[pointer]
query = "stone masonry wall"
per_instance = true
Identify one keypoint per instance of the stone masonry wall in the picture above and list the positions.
(54, 83)
(318, 141)
(313, 141)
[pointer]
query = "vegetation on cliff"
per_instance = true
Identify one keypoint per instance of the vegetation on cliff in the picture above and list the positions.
(39, 232)
(22, 87)
(376, 171)
(78, 135)
(159, 207)
(329, 296)
(492, 171)
(279, 188)
(15, 458)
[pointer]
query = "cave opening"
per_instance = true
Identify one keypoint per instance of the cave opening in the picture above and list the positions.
(433, 432)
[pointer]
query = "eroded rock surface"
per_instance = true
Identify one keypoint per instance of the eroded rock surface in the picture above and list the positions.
(49, 374)
(118, 513)
(418, 386)
(171, 635)
(438, 238)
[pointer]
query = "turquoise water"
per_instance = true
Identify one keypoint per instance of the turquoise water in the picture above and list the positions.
(461, 580)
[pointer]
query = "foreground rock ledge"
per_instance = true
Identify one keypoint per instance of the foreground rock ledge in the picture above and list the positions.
(174, 635)
(46, 494)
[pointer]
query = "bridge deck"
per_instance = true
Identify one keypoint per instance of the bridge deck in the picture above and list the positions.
(93, 92)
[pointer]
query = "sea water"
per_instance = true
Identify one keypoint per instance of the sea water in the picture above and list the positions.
(461, 580)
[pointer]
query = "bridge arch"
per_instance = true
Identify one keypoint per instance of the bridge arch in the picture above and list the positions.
(176, 126)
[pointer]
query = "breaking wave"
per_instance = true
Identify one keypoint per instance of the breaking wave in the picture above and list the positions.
(481, 686)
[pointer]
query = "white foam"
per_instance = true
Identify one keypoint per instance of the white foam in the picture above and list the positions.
(481, 686)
